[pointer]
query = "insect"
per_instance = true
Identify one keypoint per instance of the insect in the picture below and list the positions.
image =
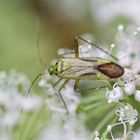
(78, 68)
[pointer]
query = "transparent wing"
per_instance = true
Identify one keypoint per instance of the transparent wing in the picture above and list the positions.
(66, 53)
(87, 48)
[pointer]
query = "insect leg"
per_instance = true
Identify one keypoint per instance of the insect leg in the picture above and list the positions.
(55, 84)
(97, 88)
(93, 44)
(76, 47)
(76, 86)
(61, 97)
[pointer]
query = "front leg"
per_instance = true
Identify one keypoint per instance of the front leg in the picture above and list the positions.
(61, 97)
(76, 86)
(76, 47)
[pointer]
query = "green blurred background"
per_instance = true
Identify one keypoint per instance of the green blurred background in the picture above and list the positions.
(60, 22)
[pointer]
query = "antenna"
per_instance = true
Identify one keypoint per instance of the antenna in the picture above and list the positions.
(93, 44)
(39, 75)
(38, 35)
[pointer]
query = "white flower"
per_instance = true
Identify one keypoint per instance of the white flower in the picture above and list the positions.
(105, 11)
(114, 95)
(137, 80)
(10, 119)
(69, 129)
(109, 128)
(127, 114)
(136, 135)
(95, 136)
(31, 103)
(124, 60)
(137, 95)
(5, 136)
(129, 88)
(4, 97)
(120, 27)
(128, 75)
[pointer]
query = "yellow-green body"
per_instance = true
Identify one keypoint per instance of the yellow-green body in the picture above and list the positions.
(80, 68)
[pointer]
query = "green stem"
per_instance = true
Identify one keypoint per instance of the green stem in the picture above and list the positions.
(105, 120)
(34, 123)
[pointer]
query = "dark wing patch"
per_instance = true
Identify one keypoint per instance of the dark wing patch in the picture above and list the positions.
(111, 70)
(88, 74)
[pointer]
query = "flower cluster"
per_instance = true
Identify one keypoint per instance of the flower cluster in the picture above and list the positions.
(14, 102)
(100, 9)
(25, 116)
(70, 129)
(126, 115)
(126, 88)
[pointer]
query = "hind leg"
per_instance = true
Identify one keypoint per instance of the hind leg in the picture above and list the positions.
(76, 86)
(60, 95)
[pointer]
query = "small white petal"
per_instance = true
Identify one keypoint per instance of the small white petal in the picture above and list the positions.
(120, 27)
(129, 88)
(112, 45)
(96, 138)
(128, 75)
(137, 95)
(125, 62)
(136, 135)
(31, 103)
(97, 133)
(132, 122)
(109, 128)
(114, 95)
(10, 119)
(135, 33)
(138, 28)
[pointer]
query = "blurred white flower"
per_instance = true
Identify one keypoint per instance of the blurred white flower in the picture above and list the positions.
(5, 136)
(96, 137)
(137, 95)
(13, 91)
(124, 60)
(120, 27)
(10, 119)
(128, 75)
(69, 129)
(4, 97)
(136, 66)
(104, 11)
(31, 103)
(136, 136)
(109, 128)
(114, 95)
(129, 88)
